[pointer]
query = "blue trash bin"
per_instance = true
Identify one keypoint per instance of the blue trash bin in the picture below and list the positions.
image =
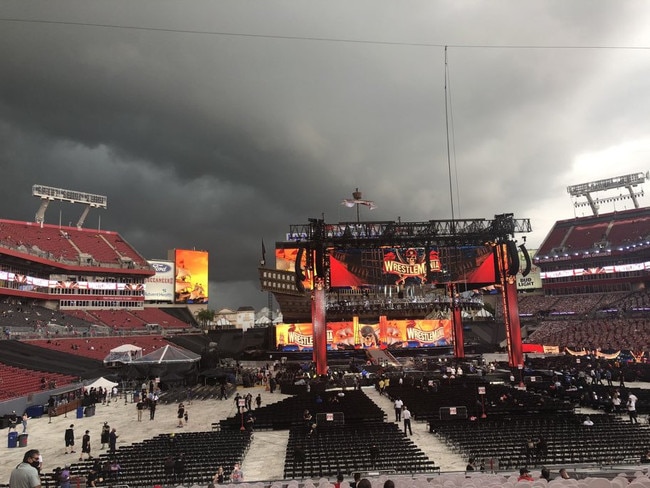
(12, 440)
(80, 412)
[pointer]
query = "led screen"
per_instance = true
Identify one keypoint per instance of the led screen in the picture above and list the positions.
(191, 276)
(354, 335)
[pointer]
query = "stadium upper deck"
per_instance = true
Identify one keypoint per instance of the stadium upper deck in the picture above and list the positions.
(70, 246)
(580, 237)
(606, 253)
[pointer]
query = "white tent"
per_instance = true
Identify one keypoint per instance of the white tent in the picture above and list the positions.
(123, 354)
(126, 348)
(103, 382)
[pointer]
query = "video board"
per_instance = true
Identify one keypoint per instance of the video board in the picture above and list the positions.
(398, 266)
(190, 276)
(391, 334)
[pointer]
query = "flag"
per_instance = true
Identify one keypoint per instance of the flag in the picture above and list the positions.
(351, 203)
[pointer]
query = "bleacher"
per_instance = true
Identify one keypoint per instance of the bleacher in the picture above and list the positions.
(16, 382)
(68, 244)
(118, 319)
(159, 317)
(626, 334)
(99, 347)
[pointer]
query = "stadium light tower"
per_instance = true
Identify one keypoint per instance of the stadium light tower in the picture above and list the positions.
(48, 194)
(627, 181)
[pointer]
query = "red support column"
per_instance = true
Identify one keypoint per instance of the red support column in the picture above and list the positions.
(457, 323)
(510, 307)
(319, 322)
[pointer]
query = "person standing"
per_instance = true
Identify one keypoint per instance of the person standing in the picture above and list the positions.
(398, 409)
(13, 421)
(237, 475)
(69, 439)
(218, 477)
(406, 415)
(64, 477)
(631, 408)
(180, 413)
(24, 420)
(140, 407)
(258, 401)
(85, 446)
(112, 441)
(106, 430)
(152, 407)
(25, 475)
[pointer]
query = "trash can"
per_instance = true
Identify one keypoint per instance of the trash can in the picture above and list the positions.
(35, 411)
(22, 440)
(80, 412)
(12, 440)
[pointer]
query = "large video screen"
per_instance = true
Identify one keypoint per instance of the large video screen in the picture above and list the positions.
(391, 334)
(398, 266)
(191, 276)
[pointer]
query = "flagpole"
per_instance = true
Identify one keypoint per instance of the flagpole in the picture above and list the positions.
(357, 196)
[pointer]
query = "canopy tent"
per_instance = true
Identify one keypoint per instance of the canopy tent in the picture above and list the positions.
(169, 354)
(123, 354)
(103, 382)
(171, 364)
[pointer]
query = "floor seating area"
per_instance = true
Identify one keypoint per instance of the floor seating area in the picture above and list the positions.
(425, 402)
(348, 448)
(355, 406)
(609, 441)
(143, 463)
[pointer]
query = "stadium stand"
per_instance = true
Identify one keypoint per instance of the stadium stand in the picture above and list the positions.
(16, 382)
(99, 347)
(67, 244)
(159, 317)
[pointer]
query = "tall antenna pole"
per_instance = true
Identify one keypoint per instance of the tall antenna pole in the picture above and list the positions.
(451, 189)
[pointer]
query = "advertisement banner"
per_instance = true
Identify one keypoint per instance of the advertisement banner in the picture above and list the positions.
(191, 276)
(160, 287)
(389, 334)
(534, 279)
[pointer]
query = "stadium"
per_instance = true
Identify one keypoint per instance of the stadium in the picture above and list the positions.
(500, 353)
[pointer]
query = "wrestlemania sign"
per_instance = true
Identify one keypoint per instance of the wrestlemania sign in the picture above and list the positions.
(390, 334)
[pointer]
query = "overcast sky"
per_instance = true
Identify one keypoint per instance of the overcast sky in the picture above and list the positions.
(216, 124)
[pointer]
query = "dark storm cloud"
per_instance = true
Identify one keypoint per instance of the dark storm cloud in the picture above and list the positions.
(218, 141)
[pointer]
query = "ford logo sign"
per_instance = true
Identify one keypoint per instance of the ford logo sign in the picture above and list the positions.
(161, 267)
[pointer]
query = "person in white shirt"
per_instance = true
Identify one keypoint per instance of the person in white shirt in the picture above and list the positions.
(398, 409)
(406, 415)
(631, 408)
(588, 422)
